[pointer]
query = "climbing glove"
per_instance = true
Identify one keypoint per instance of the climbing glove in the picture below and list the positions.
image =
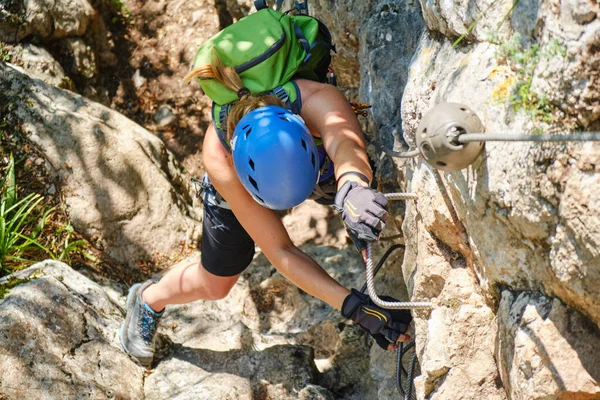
(363, 211)
(385, 326)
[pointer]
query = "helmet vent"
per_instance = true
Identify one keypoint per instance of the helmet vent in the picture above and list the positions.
(247, 132)
(259, 198)
(303, 144)
(253, 182)
(312, 160)
(251, 164)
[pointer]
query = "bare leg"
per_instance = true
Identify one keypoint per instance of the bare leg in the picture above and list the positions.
(187, 282)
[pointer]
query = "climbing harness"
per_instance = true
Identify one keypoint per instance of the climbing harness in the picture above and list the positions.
(450, 137)
(211, 196)
(405, 390)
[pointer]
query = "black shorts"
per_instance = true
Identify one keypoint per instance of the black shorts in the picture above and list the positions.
(227, 249)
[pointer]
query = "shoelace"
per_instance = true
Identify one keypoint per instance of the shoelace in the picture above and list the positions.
(147, 325)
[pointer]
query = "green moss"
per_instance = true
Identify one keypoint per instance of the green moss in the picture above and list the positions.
(11, 283)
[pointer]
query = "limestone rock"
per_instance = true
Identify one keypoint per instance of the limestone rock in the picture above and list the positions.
(277, 372)
(82, 57)
(547, 350)
(522, 216)
(38, 63)
(121, 185)
(44, 19)
(59, 339)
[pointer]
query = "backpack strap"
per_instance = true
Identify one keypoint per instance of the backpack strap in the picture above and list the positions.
(288, 93)
(303, 41)
(260, 4)
(219, 119)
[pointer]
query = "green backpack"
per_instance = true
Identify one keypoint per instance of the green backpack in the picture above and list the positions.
(267, 49)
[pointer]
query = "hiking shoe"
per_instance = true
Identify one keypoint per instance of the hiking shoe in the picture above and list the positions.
(139, 328)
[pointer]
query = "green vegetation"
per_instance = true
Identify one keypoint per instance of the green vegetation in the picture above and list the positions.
(4, 54)
(522, 62)
(122, 12)
(11, 283)
(18, 231)
(468, 31)
(31, 230)
(474, 23)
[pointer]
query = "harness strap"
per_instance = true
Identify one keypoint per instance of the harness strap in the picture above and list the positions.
(211, 196)
(219, 115)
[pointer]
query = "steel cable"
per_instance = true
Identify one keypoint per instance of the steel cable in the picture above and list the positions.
(402, 154)
(402, 349)
(518, 137)
(401, 196)
(394, 305)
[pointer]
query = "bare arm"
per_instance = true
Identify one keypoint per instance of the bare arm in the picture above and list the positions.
(328, 114)
(266, 229)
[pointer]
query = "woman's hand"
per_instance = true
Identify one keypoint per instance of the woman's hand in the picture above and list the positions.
(387, 327)
(364, 212)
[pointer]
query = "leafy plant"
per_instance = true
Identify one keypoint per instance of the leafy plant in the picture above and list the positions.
(118, 7)
(4, 54)
(16, 218)
(64, 245)
(523, 62)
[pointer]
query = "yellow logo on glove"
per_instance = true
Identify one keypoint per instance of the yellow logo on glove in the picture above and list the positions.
(374, 313)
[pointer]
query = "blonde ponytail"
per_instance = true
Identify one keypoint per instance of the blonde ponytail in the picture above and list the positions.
(229, 77)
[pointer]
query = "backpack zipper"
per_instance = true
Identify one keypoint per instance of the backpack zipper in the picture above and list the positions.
(255, 61)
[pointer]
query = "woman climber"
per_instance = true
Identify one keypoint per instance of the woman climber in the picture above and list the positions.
(270, 150)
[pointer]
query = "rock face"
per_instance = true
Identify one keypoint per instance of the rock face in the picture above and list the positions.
(266, 340)
(121, 185)
(39, 64)
(44, 19)
(59, 339)
(507, 246)
(548, 350)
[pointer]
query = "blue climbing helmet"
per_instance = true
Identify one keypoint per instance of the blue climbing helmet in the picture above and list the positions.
(275, 157)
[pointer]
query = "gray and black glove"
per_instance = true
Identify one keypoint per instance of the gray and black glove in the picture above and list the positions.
(385, 326)
(363, 211)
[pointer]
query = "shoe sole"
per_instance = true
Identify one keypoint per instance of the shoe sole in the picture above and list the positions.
(130, 299)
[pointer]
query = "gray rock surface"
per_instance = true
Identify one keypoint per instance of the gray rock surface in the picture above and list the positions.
(121, 185)
(266, 322)
(278, 373)
(38, 63)
(44, 19)
(522, 217)
(59, 339)
(547, 350)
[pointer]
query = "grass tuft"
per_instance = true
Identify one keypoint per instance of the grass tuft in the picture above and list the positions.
(522, 62)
